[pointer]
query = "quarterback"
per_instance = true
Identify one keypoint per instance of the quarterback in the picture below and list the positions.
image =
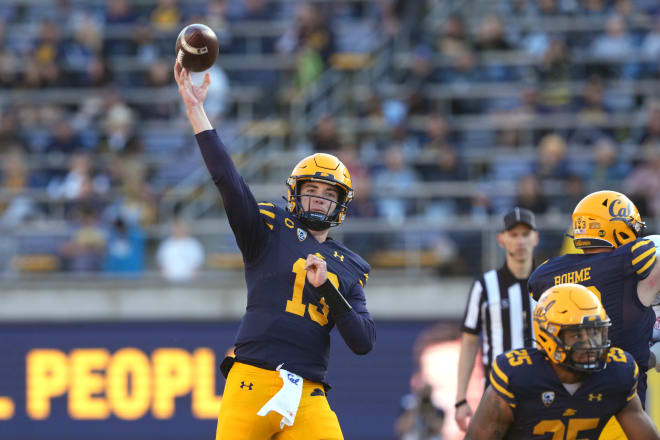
(570, 386)
(300, 284)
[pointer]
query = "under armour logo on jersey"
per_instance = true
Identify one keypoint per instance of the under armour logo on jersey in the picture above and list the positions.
(249, 387)
(302, 234)
(597, 397)
(338, 255)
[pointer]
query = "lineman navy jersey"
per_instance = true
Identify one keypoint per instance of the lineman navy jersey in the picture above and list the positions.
(284, 322)
(543, 407)
(613, 277)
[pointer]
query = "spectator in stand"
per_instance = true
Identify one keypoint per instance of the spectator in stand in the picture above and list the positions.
(180, 256)
(216, 18)
(651, 49)
(124, 249)
(312, 40)
(85, 251)
(251, 10)
(530, 195)
(460, 74)
(644, 181)
(552, 162)
(444, 165)
(14, 181)
(119, 128)
(608, 167)
(143, 45)
(592, 114)
(554, 73)
(650, 133)
(64, 139)
(454, 38)
(79, 57)
(326, 135)
(438, 159)
(615, 44)
(135, 200)
(392, 181)
(491, 35)
(166, 16)
(421, 70)
(574, 190)
(43, 68)
(120, 12)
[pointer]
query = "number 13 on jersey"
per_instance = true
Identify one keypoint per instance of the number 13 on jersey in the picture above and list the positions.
(296, 305)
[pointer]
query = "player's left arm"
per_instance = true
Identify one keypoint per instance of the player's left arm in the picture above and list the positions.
(636, 424)
(349, 311)
(492, 419)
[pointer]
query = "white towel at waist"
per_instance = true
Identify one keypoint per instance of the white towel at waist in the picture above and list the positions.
(286, 400)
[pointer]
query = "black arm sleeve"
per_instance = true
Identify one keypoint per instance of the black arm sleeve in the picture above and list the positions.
(336, 302)
(351, 316)
(241, 207)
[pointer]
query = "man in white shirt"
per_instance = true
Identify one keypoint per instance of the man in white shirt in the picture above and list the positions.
(180, 256)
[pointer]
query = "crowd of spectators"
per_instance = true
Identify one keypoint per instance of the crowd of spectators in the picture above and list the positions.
(548, 99)
(89, 114)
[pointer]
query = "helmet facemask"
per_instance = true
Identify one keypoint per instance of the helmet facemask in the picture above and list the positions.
(314, 220)
(326, 169)
(582, 347)
(589, 353)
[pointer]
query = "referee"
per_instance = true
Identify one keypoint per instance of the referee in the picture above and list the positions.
(498, 308)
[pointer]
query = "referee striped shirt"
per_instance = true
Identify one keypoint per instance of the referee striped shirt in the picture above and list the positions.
(500, 310)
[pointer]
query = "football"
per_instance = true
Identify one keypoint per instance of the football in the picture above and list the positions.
(196, 47)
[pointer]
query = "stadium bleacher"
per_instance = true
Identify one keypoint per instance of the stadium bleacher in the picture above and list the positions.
(499, 81)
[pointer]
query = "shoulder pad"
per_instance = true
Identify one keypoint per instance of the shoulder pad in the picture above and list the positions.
(360, 263)
(269, 214)
(625, 369)
(503, 369)
(643, 256)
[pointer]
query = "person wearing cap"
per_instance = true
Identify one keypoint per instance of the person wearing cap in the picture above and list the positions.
(498, 310)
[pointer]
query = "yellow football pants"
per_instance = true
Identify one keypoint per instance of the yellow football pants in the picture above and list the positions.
(248, 388)
(612, 431)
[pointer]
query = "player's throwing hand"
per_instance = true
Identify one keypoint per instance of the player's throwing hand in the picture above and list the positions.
(192, 95)
(316, 270)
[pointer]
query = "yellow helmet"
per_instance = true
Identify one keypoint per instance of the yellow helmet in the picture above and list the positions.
(606, 219)
(324, 168)
(571, 307)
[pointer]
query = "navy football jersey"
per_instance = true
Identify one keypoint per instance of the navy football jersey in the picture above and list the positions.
(284, 322)
(542, 406)
(613, 277)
